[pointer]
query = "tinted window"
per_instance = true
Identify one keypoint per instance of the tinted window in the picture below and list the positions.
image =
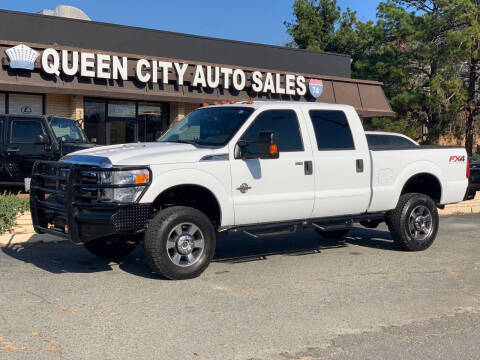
(400, 141)
(1, 130)
(331, 130)
(377, 140)
(283, 122)
(26, 131)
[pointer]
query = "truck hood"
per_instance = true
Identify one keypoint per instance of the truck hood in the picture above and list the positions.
(68, 147)
(139, 154)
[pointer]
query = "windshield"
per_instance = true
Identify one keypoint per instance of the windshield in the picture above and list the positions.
(68, 129)
(208, 126)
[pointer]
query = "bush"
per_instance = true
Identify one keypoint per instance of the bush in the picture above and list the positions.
(11, 206)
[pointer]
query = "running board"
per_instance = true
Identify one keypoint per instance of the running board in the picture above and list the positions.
(289, 227)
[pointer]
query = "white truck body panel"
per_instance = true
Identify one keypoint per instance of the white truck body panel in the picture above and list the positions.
(279, 190)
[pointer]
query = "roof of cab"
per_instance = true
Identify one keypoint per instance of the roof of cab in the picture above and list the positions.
(265, 103)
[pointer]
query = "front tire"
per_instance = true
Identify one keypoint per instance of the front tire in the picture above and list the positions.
(179, 243)
(110, 248)
(413, 224)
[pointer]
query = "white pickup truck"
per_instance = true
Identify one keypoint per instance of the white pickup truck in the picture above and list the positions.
(261, 168)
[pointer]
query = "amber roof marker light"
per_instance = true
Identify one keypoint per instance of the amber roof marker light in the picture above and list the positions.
(250, 101)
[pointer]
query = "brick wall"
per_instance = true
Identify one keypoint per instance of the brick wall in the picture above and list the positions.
(70, 106)
(179, 110)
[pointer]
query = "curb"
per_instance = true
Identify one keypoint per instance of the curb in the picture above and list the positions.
(27, 238)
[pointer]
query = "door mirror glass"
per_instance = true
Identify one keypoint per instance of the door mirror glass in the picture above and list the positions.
(40, 140)
(268, 145)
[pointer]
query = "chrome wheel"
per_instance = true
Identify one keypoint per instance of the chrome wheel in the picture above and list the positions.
(185, 244)
(420, 225)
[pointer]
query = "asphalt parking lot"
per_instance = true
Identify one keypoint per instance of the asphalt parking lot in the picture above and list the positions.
(291, 297)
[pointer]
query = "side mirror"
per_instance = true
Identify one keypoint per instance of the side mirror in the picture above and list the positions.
(63, 139)
(268, 145)
(40, 140)
(93, 140)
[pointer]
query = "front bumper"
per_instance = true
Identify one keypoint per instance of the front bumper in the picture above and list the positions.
(63, 202)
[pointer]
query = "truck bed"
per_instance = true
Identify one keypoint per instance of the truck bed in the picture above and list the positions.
(394, 166)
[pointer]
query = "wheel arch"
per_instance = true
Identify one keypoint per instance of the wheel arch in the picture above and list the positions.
(195, 183)
(424, 183)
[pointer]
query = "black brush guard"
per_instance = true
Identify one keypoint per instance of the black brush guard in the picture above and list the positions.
(65, 200)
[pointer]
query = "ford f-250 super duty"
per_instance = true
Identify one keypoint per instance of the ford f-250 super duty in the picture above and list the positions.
(261, 168)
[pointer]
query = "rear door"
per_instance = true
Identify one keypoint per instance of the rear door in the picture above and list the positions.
(21, 147)
(341, 163)
(272, 190)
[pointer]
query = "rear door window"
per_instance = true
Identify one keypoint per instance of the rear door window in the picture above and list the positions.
(332, 130)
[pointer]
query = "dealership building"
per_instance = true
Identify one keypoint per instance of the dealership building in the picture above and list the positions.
(127, 84)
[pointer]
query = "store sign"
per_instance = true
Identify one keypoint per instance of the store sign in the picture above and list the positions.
(103, 66)
(315, 87)
(22, 57)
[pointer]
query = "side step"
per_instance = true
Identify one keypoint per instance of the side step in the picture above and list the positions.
(283, 228)
(260, 233)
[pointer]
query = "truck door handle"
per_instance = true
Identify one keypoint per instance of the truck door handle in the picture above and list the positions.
(13, 149)
(308, 167)
(359, 165)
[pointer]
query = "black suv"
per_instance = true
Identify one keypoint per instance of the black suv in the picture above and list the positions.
(25, 139)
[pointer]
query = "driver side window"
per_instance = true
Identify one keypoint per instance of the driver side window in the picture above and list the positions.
(25, 131)
(283, 122)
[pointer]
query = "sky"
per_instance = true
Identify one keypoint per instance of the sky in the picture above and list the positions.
(259, 21)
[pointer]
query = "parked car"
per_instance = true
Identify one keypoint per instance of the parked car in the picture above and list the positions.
(25, 139)
(474, 179)
(260, 168)
(378, 139)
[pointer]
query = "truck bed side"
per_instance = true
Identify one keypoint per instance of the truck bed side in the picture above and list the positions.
(440, 170)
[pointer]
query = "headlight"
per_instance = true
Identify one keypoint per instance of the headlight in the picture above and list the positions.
(133, 180)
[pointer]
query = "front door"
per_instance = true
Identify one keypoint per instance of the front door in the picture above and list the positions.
(272, 190)
(22, 149)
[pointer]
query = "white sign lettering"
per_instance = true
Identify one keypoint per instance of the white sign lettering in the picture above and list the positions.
(103, 66)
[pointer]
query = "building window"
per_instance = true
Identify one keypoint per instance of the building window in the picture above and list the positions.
(117, 122)
(94, 120)
(152, 121)
(3, 104)
(25, 104)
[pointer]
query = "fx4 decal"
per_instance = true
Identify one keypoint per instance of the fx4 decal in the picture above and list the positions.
(455, 159)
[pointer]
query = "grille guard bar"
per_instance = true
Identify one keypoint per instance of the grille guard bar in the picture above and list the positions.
(61, 199)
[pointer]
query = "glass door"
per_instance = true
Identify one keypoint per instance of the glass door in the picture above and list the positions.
(121, 122)
(152, 121)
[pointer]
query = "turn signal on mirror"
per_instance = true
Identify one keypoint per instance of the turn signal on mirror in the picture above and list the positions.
(273, 149)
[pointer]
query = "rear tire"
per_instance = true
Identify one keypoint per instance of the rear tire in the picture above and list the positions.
(110, 248)
(179, 243)
(413, 224)
(332, 235)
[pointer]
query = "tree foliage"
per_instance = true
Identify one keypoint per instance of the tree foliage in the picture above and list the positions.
(426, 52)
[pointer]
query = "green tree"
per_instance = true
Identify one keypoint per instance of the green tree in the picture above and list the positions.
(467, 39)
(314, 28)
(420, 29)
